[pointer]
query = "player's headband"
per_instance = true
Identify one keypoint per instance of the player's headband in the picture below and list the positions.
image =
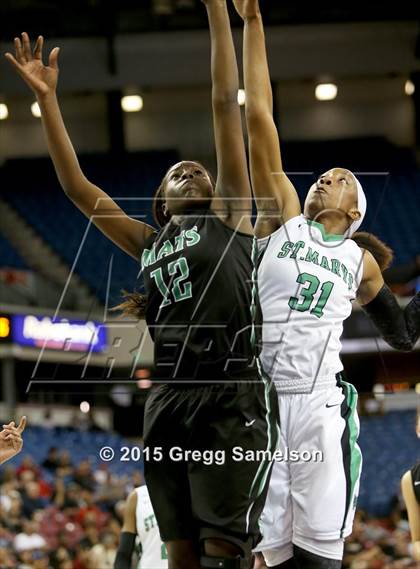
(361, 206)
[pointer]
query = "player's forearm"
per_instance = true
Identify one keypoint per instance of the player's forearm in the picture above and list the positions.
(60, 147)
(224, 68)
(399, 327)
(125, 550)
(6, 453)
(402, 273)
(259, 94)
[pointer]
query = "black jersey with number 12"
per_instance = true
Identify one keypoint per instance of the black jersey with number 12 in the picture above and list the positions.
(203, 311)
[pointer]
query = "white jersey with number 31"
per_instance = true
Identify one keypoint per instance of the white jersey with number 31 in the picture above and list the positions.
(307, 281)
(153, 551)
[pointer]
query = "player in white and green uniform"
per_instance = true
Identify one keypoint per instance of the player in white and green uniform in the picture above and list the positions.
(308, 280)
(153, 550)
(140, 522)
(310, 273)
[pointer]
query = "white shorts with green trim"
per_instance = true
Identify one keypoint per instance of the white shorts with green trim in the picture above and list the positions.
(313, 491)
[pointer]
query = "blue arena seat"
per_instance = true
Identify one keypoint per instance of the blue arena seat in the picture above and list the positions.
(9, 257)
(390, 447)
(132, 181)
(81, 445)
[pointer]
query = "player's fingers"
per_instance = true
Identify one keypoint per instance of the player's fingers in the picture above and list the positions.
(19, 51)
(18, 66)
(26, 47)
(53, 58)
(22, 424)
(12, 59)
(11, 436)
(11, 431)
(11, 424)
(14, 440)
(38, 48)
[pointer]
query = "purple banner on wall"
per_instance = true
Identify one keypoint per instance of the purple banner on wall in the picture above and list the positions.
(60, 334)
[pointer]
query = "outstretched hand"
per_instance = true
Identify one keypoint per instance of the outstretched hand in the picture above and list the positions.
(42, 79)
(11, 441)
(247, 8)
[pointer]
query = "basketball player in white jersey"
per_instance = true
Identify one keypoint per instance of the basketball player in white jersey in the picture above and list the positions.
(140, 521)
(310, 273)
(11, 441)
(410, 486)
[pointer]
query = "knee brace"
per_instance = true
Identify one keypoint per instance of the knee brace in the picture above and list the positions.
(238, 562)
(307, 560)
(242, 561)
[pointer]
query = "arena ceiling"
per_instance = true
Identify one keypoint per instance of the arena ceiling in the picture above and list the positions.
(81, 18)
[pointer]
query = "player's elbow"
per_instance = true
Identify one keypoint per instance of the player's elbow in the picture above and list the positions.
(258, 115)
(224, 98)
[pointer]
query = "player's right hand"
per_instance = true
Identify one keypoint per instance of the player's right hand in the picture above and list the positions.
(42, 79)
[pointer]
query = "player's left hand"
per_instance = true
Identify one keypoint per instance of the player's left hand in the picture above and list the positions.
(11, 441)
(247, 8)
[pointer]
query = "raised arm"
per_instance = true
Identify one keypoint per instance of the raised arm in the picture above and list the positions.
(233, 184)
(277, 200)
(11, 441)
(129, 234)
(400, 328)
(413, 510)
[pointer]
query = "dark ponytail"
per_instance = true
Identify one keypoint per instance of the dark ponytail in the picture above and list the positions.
(381, 252)
(133, 306)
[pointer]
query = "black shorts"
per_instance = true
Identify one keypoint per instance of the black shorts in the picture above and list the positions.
(415, 476)
(215, 492)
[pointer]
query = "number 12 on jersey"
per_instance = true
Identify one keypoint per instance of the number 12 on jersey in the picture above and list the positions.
(307, 294)
(178, 271)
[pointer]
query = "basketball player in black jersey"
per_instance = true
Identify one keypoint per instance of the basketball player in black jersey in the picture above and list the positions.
(203, 313)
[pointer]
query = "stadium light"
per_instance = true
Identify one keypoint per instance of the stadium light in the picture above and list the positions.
(241, 97)
(326, 91)
(84, 407)
(4, 111)
(35, 110)
(379, 391)
(132, 103)
(409, 87)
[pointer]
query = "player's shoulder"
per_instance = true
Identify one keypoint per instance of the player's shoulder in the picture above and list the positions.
(410, 483)
(415, 475)
(290, 226)
(142, 492)
(132, 499)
